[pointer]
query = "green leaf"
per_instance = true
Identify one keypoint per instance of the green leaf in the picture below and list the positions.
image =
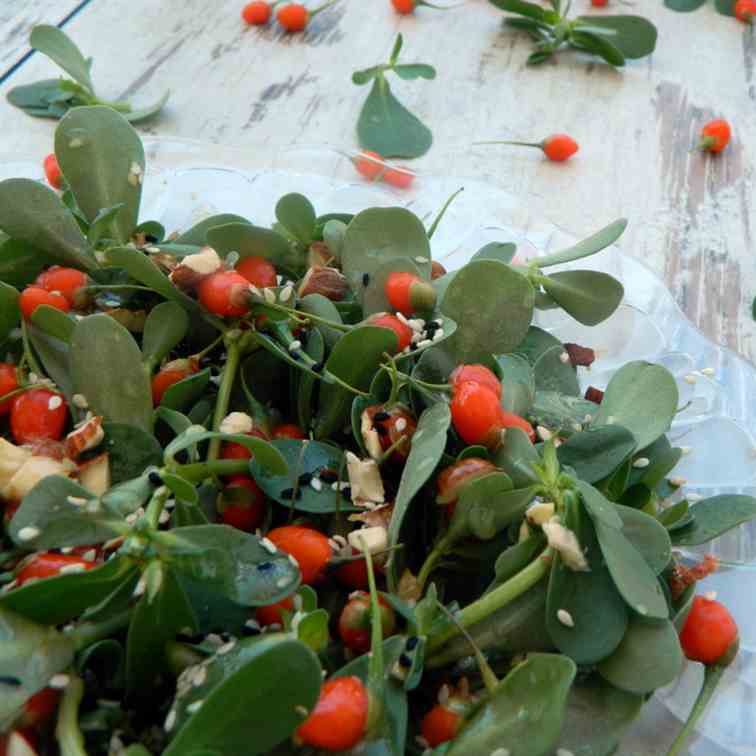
(489, 504)
(544, 352)
(181, 488)
(106, 368)
(155, 620)
(34, 214)
(518, 384)
(297, 215)
(502, 252)
(185, 392)
(141, 268)
(634, 36)
(649, 537)
(10, 315)
(250, 699)
(597, 452)
(303, 458)
(378, 236)
(317, 304)
(492, 306)
(47, 508)
(560, 411)
(632, 575)
(516, 558)
(516, 457)
(36, 96)
(53, 322)
(427, 448)
(312, 629)
(641, 397)
(147, 111)
(588, 295)
(531, 10)
(354, 359)
(100, 226)
(20, 263)
(32, 654)
(587, 247)
(714, 516)
(600, 509)
(102, 159)
(251, 241)
(166, 325)
(649, 657)
(315, 348)
(58, 46)
(197, 234)
(411, 71)
(684, 6)
(389, 736)
(131, 450)
(385, 126)
(233, 563)
(725, 7)
(54, 355)
(598, 612)
(597, 716)
(55, 600)
(597, 44)
(367, 74)
(525, 713)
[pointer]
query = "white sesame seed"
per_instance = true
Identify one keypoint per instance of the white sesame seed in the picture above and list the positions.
(199, 676)
(564, 358)
(71, 568)
(66, 549)
(165, 517)
(268, 545)
(641, 609)
(226, 647)
(170, 720)
(89, 555)
(80, 401)
(565, 618)
(54, 402)
(215, 639)
(438, 335)
(564, 752)
(141, 587)
(416, 324)
(194, 707)
(708, 371)
(76, 501)
(641, 462)
(255, 290)
(59, 681)
(678, 481)
(402, 318)
(32, 378)
(544, 433)
(693, 498)
(501, 752)
(400, 424)
(420, 259)
(295, 345)
(279, 279)
(282, 582)
(293, 560)
(690, 378)
(270, 295)
(303, 711)
(334, 486)
(286, 293)
(28, 533)
(710, 595)
(75, 143)
(587, 419)
(252, 624)
(424, 343)
(316, 484)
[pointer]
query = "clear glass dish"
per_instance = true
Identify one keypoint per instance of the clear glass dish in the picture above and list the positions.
(186, 181)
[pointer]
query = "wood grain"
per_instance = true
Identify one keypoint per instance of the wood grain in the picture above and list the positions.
(691, 215)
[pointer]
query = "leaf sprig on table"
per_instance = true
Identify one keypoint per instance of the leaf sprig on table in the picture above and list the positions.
(613, 38)
(385, 125)
(53, 98)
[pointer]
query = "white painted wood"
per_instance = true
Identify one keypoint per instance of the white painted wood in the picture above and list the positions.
(692, 216)
(17, 17)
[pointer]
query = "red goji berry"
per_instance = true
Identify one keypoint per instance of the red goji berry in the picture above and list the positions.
(65, 281)
(403, 332)
(339, 719)
(40, 708)
(8, 383)
(271, 614)
(38, 414)
(257, 13)
(225, 293)
(52, 171)
(289, 430)
(452, 478)
(171, 373)
(369, 164)
(408, 293)
(355, 622)
(404, 7)
(34, 296)
(475, 374)
(293, 17)
(559, 147)
(715, 136)
(440, 725)
(710, 635)
(309, 547)
(353, 574)
(745, 11)
(476, 414)
(399, 177)
(258, 271)
(599, 3)
(242, 503)
(49, 564)
(510, 420)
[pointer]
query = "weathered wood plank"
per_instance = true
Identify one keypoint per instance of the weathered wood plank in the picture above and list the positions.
(691, 215)
(17, 17)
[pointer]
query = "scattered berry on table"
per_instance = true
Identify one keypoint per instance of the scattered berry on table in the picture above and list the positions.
(745, 11)
(370, 165)
(404, 7)
(294, 17)
(309, 547)
(715, 136)
(559, 147)
(257, 13)
(339, 719)
(399, 177)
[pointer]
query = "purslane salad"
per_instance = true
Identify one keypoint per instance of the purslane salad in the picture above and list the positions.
(298, 490)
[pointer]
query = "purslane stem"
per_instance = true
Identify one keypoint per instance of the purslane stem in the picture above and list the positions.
(87, 633)
(67, 731)
(233, 358)
(198, 471)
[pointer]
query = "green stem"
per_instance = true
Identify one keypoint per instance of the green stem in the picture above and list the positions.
(313, 13)
(116, 287)
(198, 471)
(514, 143)
(155, 507)
(303, 317)
(233, 358)
(87, 633)
(432, 560)
(120, 105)
(497, 598)
(208, 348)
(67, 732)
(28, 353)
(375, 669)
(442, 212)
(712, 676)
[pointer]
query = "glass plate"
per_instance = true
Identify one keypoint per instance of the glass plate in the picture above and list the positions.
(186, 181)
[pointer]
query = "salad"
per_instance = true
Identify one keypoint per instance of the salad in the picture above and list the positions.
(300, 490)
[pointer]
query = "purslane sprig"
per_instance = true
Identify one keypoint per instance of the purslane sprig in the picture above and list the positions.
(53, 98)
(616, 39)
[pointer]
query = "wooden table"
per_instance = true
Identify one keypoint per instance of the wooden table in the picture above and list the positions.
(691, 215)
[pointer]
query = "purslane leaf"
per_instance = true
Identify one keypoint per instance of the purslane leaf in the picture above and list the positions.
(58, 46)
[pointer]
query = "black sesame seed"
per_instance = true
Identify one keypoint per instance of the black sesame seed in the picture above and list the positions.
(10, 680)
(431, 327)
(226, 636)
(379, 417)
(155, 479)
(151, 239)
(305, 478)
(265, 566)
(185, 638)
(365, 279)
(247, 631)
(287, 493)
(411, 643)
(182, 457)
(317, 367)
(413, 347)
(328, 476)
(405, 661)
(347, 492)
(380, 430)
